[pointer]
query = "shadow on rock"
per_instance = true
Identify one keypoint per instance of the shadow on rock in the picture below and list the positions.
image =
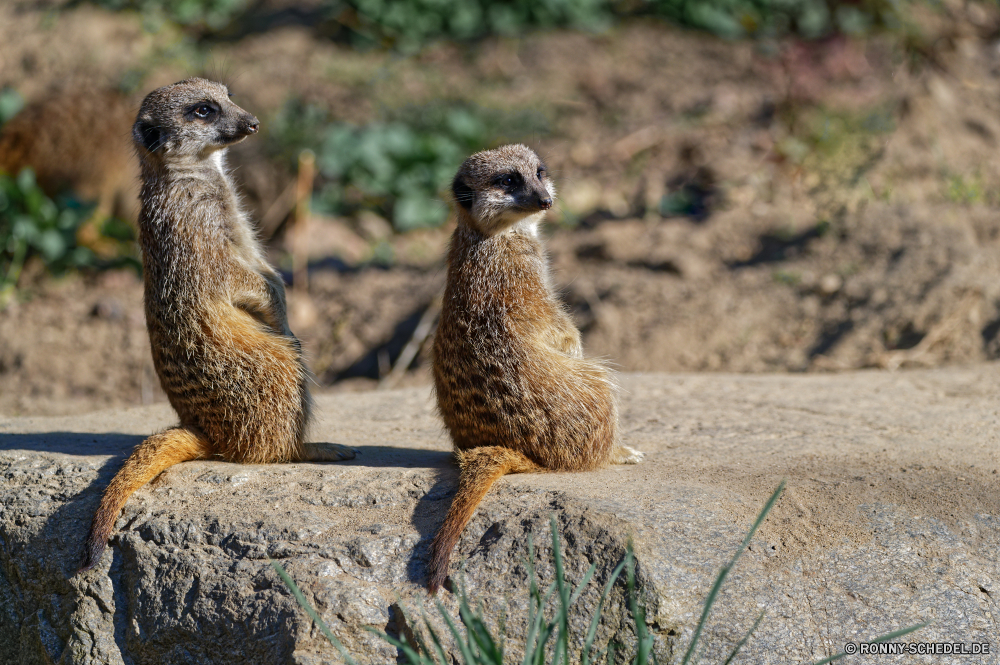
(427, 517)
(394, 457)
(41, 548)
(72, 443)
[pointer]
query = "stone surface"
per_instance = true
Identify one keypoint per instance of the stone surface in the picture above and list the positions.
(891, 518)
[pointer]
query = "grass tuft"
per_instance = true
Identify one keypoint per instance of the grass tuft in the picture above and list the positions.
(478, 645)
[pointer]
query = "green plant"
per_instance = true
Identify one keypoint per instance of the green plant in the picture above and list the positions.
(204, 15)
(409, 25)
(32, 224)
(809, 19)
(393, 167)
(478, 645)
(965, 190)
(10, 103)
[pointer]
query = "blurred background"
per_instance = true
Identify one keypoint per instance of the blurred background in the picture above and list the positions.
(744, 185)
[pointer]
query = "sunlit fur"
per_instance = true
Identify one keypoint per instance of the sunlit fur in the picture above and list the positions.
(215, 309)
(512, 385)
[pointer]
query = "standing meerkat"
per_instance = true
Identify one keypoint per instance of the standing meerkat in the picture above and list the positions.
(215, 309)
(513, 387)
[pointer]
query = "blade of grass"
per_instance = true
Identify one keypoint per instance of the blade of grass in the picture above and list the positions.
(714, 592)
(304, 604)
(478, 632)
(562, 614)
(547, 628)
(534, 603)
(583, 583)
(739, 645)
(501, 639)
(438, 648)
(539, 631)
(881, 638)
(421, 645)
(463, 646)
(413, 658)
(643, 639)
(592, 630)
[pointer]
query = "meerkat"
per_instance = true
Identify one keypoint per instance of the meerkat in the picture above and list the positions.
(215, 309)
(512, 385)
(78, 140)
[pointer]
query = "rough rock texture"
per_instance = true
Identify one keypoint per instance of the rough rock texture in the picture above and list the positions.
(891, 518)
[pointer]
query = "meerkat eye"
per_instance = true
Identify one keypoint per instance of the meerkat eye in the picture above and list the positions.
(202, 111)
(541, 172)
(508, 180)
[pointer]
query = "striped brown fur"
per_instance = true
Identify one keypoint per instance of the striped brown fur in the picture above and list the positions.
(215, 309)
(512, 385)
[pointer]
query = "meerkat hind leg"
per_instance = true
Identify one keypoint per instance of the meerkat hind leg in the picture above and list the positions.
(326, 452)
(627, 455)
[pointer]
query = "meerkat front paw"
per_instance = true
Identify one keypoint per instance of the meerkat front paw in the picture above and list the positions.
(628, 455)
(327, 452)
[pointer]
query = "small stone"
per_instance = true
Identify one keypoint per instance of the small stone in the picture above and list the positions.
(830, 283)
(109, 309)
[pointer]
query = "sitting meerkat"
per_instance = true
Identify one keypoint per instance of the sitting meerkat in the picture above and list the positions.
(215, 309)
(512, 385)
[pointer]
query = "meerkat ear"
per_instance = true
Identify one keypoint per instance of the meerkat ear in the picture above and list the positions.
(462, 192)
(147, 134)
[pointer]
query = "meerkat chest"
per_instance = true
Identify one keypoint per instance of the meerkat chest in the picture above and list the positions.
(497, 295)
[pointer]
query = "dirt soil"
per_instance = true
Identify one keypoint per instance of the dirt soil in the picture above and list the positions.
(723, 206)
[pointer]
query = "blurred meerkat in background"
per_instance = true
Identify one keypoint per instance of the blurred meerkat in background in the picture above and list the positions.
(78, 140)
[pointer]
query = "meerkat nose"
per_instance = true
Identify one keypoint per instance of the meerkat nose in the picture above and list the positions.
(545, 203)
(253, 126)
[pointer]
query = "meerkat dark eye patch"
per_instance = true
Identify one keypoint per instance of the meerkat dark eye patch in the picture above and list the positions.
(541, 171)
(206, 111)
(464, 194)
(148, 135)
(509, 181)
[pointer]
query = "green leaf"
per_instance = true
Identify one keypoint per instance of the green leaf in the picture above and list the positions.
(51, 244)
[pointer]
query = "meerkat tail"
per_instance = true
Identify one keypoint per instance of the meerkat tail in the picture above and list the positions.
(148, 460)
(479, 468)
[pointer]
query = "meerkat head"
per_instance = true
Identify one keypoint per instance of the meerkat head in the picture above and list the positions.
(193, 118)
(501, 187)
